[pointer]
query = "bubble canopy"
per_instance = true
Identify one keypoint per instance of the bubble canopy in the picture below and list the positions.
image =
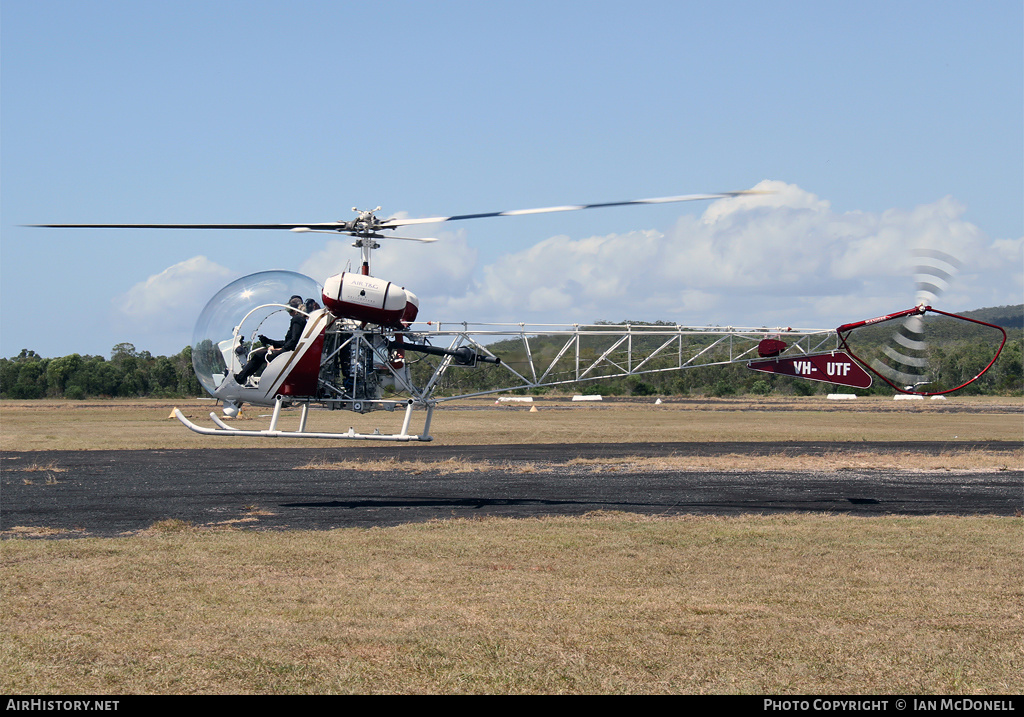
(253, 305)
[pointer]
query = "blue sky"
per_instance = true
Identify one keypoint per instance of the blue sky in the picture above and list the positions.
(880, 125)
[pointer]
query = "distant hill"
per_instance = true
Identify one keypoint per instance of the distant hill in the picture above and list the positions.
(1009, 317)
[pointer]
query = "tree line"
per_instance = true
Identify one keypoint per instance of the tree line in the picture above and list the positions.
(128, 374)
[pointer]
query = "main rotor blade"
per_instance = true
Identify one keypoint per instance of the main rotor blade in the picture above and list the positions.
(306, 225)
(390, 223)
(359, 227)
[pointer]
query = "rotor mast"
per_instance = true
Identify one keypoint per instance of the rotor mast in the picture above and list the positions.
(366, 238)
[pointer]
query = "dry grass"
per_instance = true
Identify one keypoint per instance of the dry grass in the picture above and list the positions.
(26, 531)
(949, 460)
(975, 460)
(145, 424)
(609, 603)
(446, 466)
(50, 467)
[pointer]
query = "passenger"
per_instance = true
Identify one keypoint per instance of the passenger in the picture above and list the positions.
(240, 349)
(260, 357)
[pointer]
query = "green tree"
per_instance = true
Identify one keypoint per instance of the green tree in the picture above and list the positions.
(59, 372)
(31, 379)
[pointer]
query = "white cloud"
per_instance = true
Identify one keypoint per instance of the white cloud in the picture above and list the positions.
(168, 303)
(773, 195)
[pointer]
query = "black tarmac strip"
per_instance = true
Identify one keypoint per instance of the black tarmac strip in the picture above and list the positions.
(68, 494)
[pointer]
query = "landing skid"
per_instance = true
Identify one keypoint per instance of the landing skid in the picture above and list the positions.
(224, 429)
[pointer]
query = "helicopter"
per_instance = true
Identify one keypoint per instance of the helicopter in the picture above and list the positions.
(360, 339)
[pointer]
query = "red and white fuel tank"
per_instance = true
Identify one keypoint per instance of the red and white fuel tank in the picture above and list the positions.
(369, 299)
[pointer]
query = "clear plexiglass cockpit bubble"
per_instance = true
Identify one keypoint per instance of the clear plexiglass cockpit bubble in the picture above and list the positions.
(236, 316)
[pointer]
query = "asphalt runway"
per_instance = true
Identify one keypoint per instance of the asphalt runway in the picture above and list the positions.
(112, 493)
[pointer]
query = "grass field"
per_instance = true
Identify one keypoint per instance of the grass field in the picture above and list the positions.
(144, 424)
(608, 603)
(604, 604)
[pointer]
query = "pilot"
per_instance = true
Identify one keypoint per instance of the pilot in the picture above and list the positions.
(271, 348)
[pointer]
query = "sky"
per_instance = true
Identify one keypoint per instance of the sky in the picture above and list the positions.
(877, 127)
